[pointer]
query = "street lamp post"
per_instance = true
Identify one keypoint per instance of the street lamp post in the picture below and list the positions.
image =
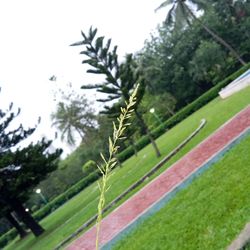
(152, 111)
(39, 191)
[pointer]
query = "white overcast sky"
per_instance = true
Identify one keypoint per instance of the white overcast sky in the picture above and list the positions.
(34, 45)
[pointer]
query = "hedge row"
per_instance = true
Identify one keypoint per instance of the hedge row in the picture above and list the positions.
(183, 113)
(7, 237)
(128, 152)
(62, 198)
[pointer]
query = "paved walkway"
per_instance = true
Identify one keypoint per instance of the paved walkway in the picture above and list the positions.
(130, 210)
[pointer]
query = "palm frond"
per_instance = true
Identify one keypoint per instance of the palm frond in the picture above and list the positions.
(164, 4)
(180, 16)
(170, 16)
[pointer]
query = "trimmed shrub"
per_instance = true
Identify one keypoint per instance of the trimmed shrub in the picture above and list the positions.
(7, 237)
(62, 198)
(89, 167)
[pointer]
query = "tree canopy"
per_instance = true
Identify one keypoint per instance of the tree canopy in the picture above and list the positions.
(181, 13)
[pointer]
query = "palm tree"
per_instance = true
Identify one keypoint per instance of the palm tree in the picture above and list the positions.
(74, 116)
(180, 13)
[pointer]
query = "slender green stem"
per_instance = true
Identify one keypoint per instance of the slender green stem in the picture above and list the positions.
(110, 163)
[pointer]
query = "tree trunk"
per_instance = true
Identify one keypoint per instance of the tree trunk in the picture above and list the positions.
(22, 233)
(24, 216)
(216, 37)
(145, 127)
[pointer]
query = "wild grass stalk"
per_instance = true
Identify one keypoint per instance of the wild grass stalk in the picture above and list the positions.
(111, 161)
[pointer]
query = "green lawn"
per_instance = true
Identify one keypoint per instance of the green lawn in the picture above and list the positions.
(209, 214)
(78, 210)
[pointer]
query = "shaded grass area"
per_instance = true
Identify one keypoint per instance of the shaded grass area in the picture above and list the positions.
(68, 218)
(247, 246)
(209, 214)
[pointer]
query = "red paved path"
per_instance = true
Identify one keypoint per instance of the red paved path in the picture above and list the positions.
(116, 221)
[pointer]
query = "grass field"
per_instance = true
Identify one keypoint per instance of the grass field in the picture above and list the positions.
(78, 210)
(209, 214)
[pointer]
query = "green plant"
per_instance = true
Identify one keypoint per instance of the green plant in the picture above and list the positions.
(7, 237)
(89, 167)
(120, 77)
(181, 14)
(64, 197)
(111, 161)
